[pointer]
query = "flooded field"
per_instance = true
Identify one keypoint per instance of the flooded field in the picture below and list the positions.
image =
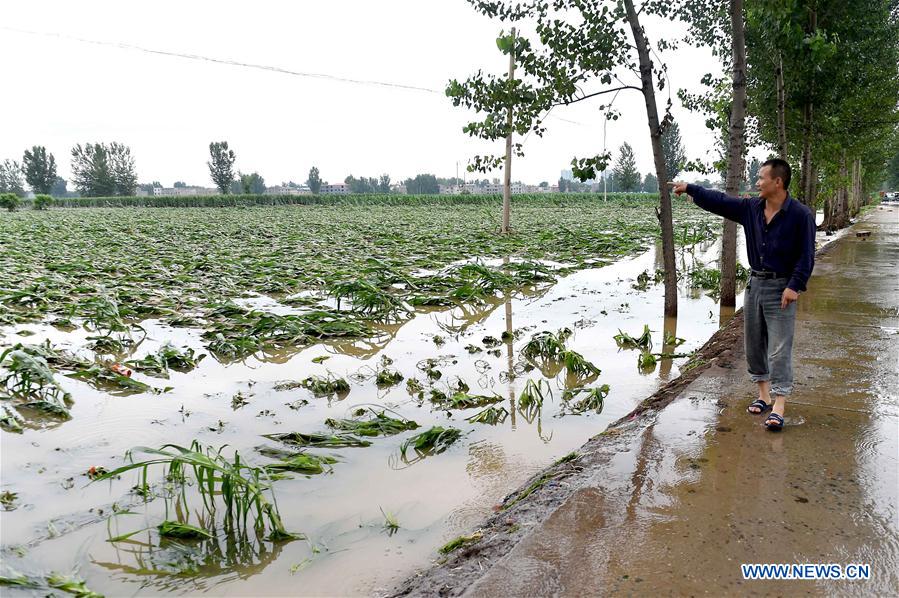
(276, 333)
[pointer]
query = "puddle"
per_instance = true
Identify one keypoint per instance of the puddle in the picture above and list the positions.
(58, 520)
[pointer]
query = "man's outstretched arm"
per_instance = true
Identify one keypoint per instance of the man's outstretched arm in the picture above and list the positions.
(715, 202)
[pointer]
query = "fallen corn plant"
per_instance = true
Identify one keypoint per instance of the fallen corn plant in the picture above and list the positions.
(386, 378)
(242, 489)
(303, 463)
(30, 381)
(490, 416)
(581, 400)
(367, 298)
(646, 361)
(460, 541)
(463, 400)
(318, 440)
(166, 358)
(53, 581)
(326, 386)
(626, 341)
(530, 402)
(378, 424)
(546, 345)
(577, 367)
(430, 442)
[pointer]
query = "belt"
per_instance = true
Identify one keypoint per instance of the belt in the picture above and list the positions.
(768, 274)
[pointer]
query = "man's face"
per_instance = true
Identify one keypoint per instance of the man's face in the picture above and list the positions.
(767, 185)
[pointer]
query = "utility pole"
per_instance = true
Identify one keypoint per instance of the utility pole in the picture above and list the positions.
(507, 187)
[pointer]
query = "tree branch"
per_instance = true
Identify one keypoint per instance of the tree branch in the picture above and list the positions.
(598, 93)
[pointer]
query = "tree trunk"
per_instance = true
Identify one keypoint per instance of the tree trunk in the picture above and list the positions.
(655, 133)
(841, 209)
(507, 176)
(781, 108)
(735, 146)
(805, 176)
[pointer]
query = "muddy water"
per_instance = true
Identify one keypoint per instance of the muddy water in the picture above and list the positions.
(62, 523)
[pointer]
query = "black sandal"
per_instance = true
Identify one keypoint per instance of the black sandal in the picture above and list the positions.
(762, 405)
(775, 422)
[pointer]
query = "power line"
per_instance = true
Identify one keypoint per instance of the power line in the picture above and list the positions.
(228, 62)
(225, 61)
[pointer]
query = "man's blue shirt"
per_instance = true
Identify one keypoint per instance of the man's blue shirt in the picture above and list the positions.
(785, 245)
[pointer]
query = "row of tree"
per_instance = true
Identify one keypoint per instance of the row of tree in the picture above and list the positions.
(98, 170)
(818, 84)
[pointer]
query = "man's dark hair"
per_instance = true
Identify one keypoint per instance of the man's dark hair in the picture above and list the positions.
(779, 168)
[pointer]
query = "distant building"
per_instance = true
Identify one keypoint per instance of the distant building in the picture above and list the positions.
(287, 190)
(184, 191)
(335, 189)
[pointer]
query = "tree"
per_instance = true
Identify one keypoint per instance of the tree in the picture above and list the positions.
(101, 170)
(91, 170)
(121, 164)
(384, 184)
(581, 45)
(314, 181)
(650, 183)
(221, 165)
(673, 149)
(59, 187)
(422, 184)
(40, 169)
(625, 173)
(248, 184)
(753, 174)
(11, 180)
(179, 185)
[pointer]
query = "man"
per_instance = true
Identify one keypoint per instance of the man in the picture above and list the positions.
(780, 242)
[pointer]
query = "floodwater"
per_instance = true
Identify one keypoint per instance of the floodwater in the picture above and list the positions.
(62, 523)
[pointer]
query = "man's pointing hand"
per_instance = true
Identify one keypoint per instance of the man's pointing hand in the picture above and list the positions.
(678, 187)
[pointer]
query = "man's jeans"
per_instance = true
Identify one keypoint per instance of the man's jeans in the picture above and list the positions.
(768, 333)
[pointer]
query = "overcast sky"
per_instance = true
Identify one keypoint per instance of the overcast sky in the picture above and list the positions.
(60, 91)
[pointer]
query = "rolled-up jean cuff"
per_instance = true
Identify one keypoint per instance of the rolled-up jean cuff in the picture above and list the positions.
(781, 391)
(759, 377)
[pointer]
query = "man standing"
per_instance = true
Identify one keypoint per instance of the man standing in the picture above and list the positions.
(780, 243)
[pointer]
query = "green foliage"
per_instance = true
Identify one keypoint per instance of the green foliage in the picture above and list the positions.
(625, 173)
(302, 463)
(46, 584)
(490, 415)
(318, 440)
(431, 442)
(26, 376)
(239, 487)
(103, 170)
(673, 150)
(167, 357)
(422, 184)
(386, 378)
(530, 402)
(9, 201)
(314, 181)
(378, 424)
(323, 387)
(11, 181)
(459, 542)
(221, 165)
(42, 202)
(581, 400)
(626, 341)
(182, 531)
(40, 169)
(248, 184)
